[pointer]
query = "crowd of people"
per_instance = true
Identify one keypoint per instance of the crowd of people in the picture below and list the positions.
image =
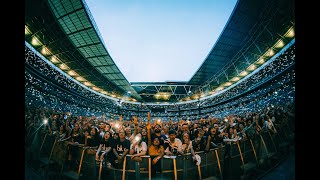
(79, 100)
(112, 141)
(75, 116)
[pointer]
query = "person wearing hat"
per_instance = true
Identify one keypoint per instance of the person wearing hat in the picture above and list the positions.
(157, 133)
(173, 145)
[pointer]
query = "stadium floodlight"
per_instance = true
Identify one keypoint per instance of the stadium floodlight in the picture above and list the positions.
(96, 88)
(251, 67)
(72, 73)
(54, 59)
(290, 33)
(35, 41)
(81, 79)
(63, 67)
(260, 61)
(26, 30)
(235, 79)
(45, 51)
(243, 73)
(87, 83)
(279, 44)
(227, 84)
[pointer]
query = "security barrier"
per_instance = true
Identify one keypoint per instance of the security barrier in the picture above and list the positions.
(231, 161)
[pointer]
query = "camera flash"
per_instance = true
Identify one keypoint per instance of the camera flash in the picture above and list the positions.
(117, 125)
(137, 138)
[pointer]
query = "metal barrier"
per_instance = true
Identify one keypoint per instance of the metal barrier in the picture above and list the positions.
(226, 162)
(173, 167)
(59, 154)
(249, 157)
(268, 143)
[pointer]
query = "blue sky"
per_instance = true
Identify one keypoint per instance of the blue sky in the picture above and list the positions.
(160, 40)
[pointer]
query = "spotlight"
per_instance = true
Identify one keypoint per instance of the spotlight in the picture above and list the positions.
(45, 121)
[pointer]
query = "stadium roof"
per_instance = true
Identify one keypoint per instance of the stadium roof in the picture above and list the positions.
(65, 33)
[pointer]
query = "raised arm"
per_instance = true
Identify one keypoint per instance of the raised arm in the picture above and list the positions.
(98, 151)
(135, 122)
(208, 143)
(191, 150)
(149, 130)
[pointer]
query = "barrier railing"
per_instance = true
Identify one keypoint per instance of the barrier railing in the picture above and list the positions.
(219, 162)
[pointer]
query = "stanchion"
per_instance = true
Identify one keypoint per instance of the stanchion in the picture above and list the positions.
(149, 165)
(43, 142)
(264, 145)
(274, 145)
(137, 170)
(81, 159)
(254, 152)
(54, 144)
(237, 142)
(199, 171)
(175, 169)
(29, 130)
(185, 165)
(218, 161)
(100, 169)
(124, 168)
(206, 168)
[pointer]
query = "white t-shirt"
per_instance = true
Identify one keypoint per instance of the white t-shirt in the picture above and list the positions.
(186, 148)
(177, 144)
(138, 149)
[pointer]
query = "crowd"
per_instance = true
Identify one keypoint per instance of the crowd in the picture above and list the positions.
(79, 100)
(111, 141)
(61, 108)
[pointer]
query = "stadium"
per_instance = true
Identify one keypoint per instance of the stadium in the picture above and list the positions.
(233, 119)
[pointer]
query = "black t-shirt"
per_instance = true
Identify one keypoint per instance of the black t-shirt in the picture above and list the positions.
(199, 145)
(75, 136)
(216, 139)
(122, 146)
(107, 143)
(93, 141)
(81, 139)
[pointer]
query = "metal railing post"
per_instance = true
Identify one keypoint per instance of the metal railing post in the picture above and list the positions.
(218, 161)
(124, 168)
(80, 164)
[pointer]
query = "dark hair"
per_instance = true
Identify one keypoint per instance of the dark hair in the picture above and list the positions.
(209, 130)
(109, 133)
(172, 131)
(116, 134)
(155, 137)
(87, 130)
